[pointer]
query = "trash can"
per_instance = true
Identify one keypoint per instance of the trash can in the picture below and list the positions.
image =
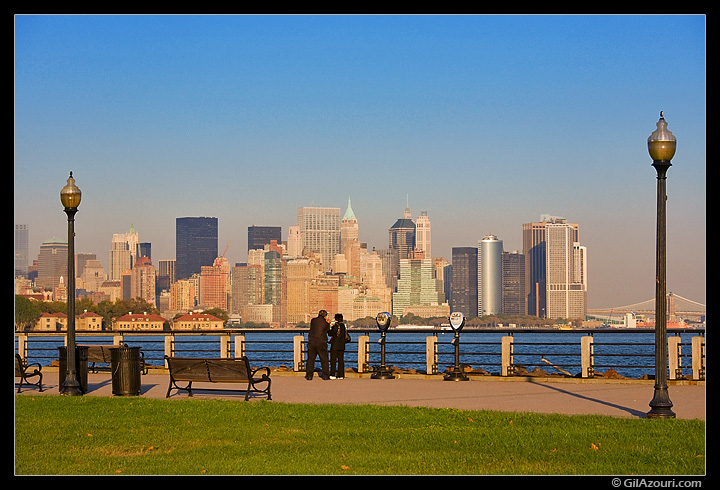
(125, 368)
(81, 366)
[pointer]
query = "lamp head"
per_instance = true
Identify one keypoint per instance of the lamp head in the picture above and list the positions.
(661, 143)
(70, 194)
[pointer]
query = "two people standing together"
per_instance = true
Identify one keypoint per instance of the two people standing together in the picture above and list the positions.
(320, 330)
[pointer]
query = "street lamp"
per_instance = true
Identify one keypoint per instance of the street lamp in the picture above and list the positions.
(661, 145)
(70, 199)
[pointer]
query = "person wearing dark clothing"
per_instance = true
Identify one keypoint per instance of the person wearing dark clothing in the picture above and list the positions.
(317, 345)
(338, 331)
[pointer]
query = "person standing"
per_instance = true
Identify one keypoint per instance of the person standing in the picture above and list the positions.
(317, 345)
(338, 333)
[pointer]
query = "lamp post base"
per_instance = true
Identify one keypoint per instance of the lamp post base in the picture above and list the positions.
(660, 406)
(71, 388)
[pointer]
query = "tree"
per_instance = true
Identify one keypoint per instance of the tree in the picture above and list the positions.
(26, 312)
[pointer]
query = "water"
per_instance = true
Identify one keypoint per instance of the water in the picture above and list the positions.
(630, 353)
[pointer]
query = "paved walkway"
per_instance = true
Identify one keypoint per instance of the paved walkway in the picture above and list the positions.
(544, 395)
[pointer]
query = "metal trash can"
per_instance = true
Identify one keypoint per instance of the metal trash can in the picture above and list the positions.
(125, 368)
(81, 366)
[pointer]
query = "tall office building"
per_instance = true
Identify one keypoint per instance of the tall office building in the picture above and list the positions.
(142, 280)
(350, 241)
(196, 244)
(52, 264)
(320, 232)
(275, 285)
(536, 257)
(514, 301)
(464, 283)
(215, 284)
(124, 251)
(565, 287)
(294, 241)
(259, 236)
(422, 234)
(490, 276)
(417, 286)
(402, 236)
(247, 287)
(22, 250)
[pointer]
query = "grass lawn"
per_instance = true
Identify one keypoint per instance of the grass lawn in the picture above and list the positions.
(91, 435)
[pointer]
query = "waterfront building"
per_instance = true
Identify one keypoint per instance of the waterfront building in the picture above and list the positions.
(464, 284)
(489, 288)
(320, 232)
(139, 322)
(197, 321)
(196, 244)
(259, 236)
(417, 286)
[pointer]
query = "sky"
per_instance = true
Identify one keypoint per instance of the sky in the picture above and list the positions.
(485, 122)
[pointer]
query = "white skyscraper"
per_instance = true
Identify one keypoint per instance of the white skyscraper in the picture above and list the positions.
(566, 272)
(422, 234)
(490, 276)
(320, 232)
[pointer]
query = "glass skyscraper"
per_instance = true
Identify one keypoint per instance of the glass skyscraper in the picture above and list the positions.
(196, 245)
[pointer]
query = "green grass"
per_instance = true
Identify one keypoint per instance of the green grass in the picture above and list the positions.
(137, 436)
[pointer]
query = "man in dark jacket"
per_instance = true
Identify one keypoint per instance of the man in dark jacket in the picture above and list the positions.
(317, 345)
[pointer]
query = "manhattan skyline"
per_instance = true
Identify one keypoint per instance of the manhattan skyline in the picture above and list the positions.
(485, 122)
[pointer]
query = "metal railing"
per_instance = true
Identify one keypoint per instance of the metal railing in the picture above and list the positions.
(507, 352)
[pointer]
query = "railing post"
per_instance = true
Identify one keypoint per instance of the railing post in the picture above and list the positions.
(118, 339)
(698, 357)
(239, 346)
(224, 346)
(586, 357)
(22, 345)
(431, 365)
(507, 369)
(169, 345)
(674, 363)
(298, 357)
(363, 354)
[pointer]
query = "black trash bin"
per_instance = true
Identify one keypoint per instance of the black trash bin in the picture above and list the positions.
(125, 368)
(81, 366)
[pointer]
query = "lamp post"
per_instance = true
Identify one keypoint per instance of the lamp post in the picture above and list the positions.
(661, 145)
(70, 199)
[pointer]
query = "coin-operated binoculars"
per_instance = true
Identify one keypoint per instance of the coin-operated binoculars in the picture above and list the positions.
(457, 322)
(382, 371)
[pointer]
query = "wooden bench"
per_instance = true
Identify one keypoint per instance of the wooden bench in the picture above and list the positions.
(22, 371)
(100, 354)
(216, 370)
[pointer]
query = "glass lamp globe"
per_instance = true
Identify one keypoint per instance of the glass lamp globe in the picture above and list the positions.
(661, 143)
(70, 194)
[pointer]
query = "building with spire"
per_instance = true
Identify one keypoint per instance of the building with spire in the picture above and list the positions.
(350, 241)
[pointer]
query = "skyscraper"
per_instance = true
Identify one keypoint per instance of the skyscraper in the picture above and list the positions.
(536, 256)
(22, 250)
(464, 284)
(52, 263)
(259, 236)
(350, 241)
(196, 244)
(565, 289)
(514, 300)
(417, 286)
(422, 234)
(402, 236)
(490, 276)
(320, 232)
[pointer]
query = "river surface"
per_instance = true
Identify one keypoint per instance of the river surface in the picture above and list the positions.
(630, 353)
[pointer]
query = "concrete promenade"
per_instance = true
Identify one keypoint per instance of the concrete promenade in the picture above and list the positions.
(617, 398)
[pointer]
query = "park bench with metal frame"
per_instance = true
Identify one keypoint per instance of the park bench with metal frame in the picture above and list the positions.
(100, 354)
(23, 371)
(217, 370)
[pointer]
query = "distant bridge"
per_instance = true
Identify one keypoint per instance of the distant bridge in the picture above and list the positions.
(677, 306)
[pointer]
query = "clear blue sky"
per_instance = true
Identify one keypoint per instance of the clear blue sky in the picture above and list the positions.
(485, 122)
